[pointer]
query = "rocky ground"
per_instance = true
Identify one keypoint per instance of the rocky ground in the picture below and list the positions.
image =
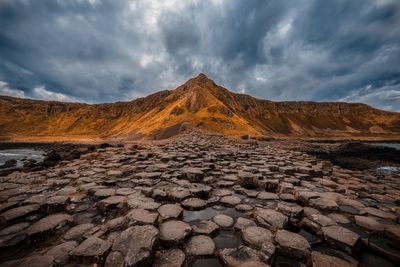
(199, 200)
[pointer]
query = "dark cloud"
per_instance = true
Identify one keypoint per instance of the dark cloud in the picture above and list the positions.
(100, 51)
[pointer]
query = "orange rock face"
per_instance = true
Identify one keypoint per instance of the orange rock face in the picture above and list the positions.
(198, 103)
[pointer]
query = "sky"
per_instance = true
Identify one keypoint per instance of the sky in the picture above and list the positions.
(98, 51)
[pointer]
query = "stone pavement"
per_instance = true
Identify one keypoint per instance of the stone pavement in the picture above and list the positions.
(199, 200)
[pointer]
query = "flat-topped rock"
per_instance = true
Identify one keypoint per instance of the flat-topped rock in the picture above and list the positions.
(174, 232)
(18, 213)
(91, 250)
(292, 245)
(369, 223)
(341, 238)
(61, 252)
(170, 211)
(194, 204)
(205, 227)
(133, 247)
(141, 217)
(240, 256)
(242, 223)
(223, 220)
(111, 203)
(230, 200)
(267, 196)
(55, 204)
(170, 258)
(319, 259)
(271, 219)
(200, 245)
(48, 225)
(80, 232)
(255, 236)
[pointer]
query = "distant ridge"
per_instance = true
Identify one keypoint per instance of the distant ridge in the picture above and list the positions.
(197, 103)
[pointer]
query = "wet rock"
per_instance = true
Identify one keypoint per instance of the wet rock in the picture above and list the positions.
(170, 211)
(174, 232)
(18, 213)
(230, 200)
(194, 204)
(61, 252)
(140, 217)
(319, 259)
(80, 232)
(255, 236)
(200, 245)
(243, 223)
(239, 256)
(92, 250)
(271, 219)
(267, 251)
(342, 238)
(170, 258)
(48, 225)
(134, 247)
(223, 220)
(292, 245)
(205, 227)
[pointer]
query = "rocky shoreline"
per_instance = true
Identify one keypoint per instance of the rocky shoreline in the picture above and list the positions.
(198, 200)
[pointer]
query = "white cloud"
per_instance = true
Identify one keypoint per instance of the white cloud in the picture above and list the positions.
(5, 89)
(40, 92)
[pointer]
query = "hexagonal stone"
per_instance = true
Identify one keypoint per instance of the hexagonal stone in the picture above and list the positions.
(271, 219)
(341, 238)
(170, 258)
(145, 203)
(80, 232)
(242, 223)
(243, 207)
(174, 232)
(133, 247)
(255, 236)
(206, 227)
(292, 244)
(369, 223)
(92, 250)
(267, 196)
(178, 193)
(111, 203)
(290, 209)
(323, 203)
(200, 245)
(319, 259)
(223, 220)
(193, 174)
(16, 228)
(141, 217)
(104, 193)
(18, 213)
(55, 204)
(380, 213)
(230, 200)
(48, 225)
(194, 204)
(61, 252)
(239, 256)
(170, 211)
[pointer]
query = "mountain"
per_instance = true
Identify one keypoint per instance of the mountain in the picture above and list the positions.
(197, 103)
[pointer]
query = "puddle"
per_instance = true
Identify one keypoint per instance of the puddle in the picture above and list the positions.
(227, 239)
(210, 262)
(208, 213)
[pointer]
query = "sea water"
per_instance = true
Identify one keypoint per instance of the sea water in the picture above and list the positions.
(21, 155)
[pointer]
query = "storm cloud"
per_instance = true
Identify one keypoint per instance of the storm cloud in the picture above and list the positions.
(101, 51)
